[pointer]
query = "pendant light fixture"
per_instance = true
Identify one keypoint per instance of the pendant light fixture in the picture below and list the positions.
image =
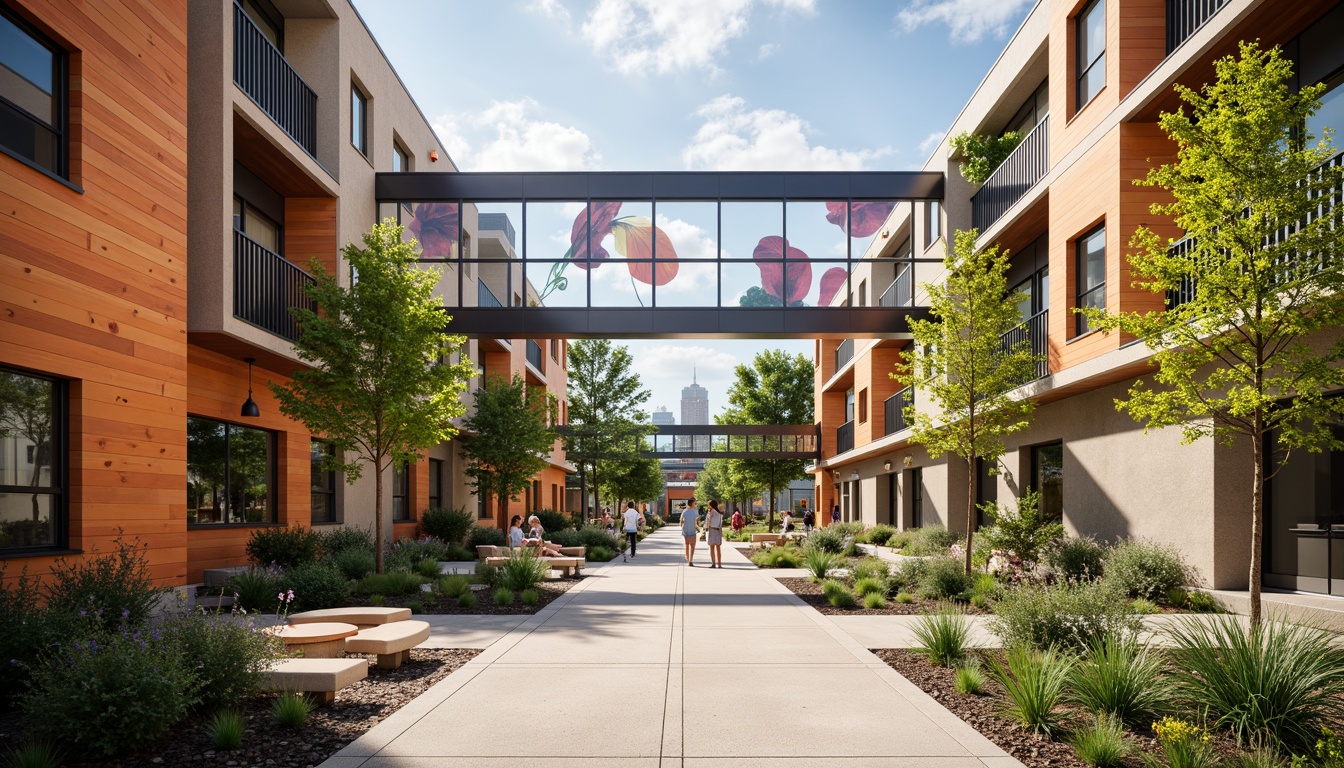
(250, 409)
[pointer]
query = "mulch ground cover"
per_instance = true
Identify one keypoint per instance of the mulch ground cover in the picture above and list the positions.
(355, 710)
(811, 594)
(436, 604)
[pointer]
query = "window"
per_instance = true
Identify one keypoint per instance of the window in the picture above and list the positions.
(482, 506)
(916, 497)
(555, 350)
(863, 405)
(1035, 292)
(1091, 267)
(258, 227)
(436, 483)
(1047, 478)
(324, 483)
(933, 222)
(401, 493)
(33, 102)
(1331, 113)
(267, 20)
(1032, 112)
(1090, 41)
(849, 404)
(536, 495)
(230, 473)
(359, 120)
(401, 159)
(32, 493)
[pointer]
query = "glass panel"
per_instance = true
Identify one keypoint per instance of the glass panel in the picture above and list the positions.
(568, 285)
(26, 520)
(1306, 505)
(322, 490)
(621, 251)
(27, 430)
(249, 475)
(743, 226)
(27, 73)
(867, 222)
(261, 229)
(1044, 294)
(692, 231)
(1092, 81)
(555, 234)
(1048, 480)
(1092, 34)
(436, 227)
(1024, 306)
(1330, 115)
(816, 230)
(357, 120)
(1093, 258)
(207, 466)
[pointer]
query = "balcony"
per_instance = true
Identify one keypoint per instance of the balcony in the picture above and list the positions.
(894, 407)
(901, 293)
(1185, 17)
(844, 437)
(485, 297)
(1027, 165)
(266, 286)
(844, 353)
(1034, 331)
(266, 77)
(534, 356)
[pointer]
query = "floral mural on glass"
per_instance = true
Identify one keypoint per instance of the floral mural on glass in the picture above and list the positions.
(436, 226)
(783, 268)
(864, 218)
(635, 238)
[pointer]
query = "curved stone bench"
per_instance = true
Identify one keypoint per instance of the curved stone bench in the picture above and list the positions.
(319, 678)
(361, 617)
(391, 643)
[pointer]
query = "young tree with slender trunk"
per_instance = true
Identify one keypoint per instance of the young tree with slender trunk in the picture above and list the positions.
(375, 385)
(511, 437)
(966, 369)
(605, 395)
(1255, 349)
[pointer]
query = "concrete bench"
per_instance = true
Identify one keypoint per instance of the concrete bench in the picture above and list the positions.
(567, 565)
(361, 617)
(768, 538)
(484, 551)
(391, 643)
(319, 678)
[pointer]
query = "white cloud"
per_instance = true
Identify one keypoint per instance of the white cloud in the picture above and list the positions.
(968, 21)
(930, 143)
(675, 361)
(551, 8)
(766, 51)
(644, 37)
(507, 138)
(733, 138)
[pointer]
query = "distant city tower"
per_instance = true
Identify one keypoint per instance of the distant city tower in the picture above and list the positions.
(695, 410)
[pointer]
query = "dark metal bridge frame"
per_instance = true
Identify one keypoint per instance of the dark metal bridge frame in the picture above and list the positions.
(540, 322)
(719, 441)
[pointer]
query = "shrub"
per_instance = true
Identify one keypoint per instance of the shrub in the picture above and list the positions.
(599, 554)
(1102, 743)
(837, 594)
(407, 554)
(390, 583)
(454, 585)
(523, 570)
(1202, 602)
(117, 586)
(870, 585)
(316, 586)
(984, 585)
(778, 557)
(1146, 569)
(1023, 530)
(1279, 683)
(942, 635)
(907, 576)
(416, 606)
(428, 568)
(503, 596)
(25, 631)
(981, 155)
(484, 536)
(904, 598)
(466, 600)
(338, 540)
(1079, 559)
(1139, 605)
(819, 562)
(354, 564)
(459, 553)
(1069, 616)
(870, 568)
(933, 539)
(1175, 597)
(291, 709)
(108, 695)
(447, 525)
(590, 536)
(830, 539)
(226, 730)
(944, 579)
(1120, 678)
(1263, 757)
(256, 587)
(969, 679)
(899, 540)
(1033, 684)
(1183, 745)
(34, 753)
(879, 534)
(285, 547)
(228, 659)
(552, 521)
(377, 601)
(487, 574)
(530, 597)
(875, 600)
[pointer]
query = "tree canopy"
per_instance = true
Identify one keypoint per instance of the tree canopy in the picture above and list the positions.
(511, 438)
(606, 422)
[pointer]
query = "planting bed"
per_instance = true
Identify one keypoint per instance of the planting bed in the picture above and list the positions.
(811, 594)
(437, 604)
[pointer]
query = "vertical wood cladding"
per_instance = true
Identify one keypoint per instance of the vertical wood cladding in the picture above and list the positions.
(93, 284)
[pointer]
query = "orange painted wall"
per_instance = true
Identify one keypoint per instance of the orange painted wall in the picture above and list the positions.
(93, 283)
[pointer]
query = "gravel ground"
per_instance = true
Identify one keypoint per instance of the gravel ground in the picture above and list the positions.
(356, 709)
(812, 595)
(441, 605)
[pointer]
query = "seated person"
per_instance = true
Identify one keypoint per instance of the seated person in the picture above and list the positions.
(516, 531)
(534, 539)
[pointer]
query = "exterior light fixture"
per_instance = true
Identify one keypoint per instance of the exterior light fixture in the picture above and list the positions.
(250, 409)
(886, 465)
(886, 233)
(907, 461)
(433, 156)
(854, 475)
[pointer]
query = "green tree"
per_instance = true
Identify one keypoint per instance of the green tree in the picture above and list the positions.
(637, 480)
(606, 422)
(724, 479)
(1255, 350)
(511, 438)
(775, 389)
(958, 359)
(375, 386)
(982, 155)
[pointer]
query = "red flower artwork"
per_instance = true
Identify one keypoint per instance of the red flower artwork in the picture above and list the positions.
(793, 271)
(864, 218)
(634, 239)
(830, 284)
(435, 226)
(602, 216)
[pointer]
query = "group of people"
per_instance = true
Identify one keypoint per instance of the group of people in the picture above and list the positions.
(632, 519)
(713, 522)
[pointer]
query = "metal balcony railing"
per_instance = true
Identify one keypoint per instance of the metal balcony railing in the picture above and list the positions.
(265, 76)
(901, 293)
(266, 286)
(844, 437)
(534, 355)
(1034, 331)
(1185, 17)
(1027, 165)
(844, 353)
(485, 297)
(894, 408)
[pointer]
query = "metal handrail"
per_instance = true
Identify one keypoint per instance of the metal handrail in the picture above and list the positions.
(534, 355)
(901, 292)
(894, 410)
(1034, 330)
(266, 286)
(1017, 174)
(844, 352)
(263, 73)
(844, 437)
(1185, 17)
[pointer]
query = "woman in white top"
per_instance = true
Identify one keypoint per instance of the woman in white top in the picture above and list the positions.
(787, 524)
(516, 531)
(689, 518)
(714, 534)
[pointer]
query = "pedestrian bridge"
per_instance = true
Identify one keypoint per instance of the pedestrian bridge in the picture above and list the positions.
(669, 254)
(708, 441)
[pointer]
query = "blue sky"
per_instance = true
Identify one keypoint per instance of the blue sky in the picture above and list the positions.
(691, 85)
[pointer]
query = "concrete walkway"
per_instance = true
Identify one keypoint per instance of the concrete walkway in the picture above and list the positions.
(651, 663)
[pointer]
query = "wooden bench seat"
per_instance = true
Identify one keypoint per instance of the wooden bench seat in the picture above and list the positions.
(391, 643)
(319, 678)
(361, 617)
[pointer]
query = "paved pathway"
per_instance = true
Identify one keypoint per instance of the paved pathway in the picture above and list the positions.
(651, 663)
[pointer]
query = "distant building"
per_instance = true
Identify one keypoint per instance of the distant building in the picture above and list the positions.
(695, 410)
(663, 417)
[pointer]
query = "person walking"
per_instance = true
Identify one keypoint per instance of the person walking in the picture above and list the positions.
(632, 522)
(739, 522)
(688, 531)
(714, 534)
(809, 520)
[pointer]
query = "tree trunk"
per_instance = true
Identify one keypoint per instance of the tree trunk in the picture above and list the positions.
(970, 508)
(771, 526)
(377, 517)
(1257, 516)
(503, 512)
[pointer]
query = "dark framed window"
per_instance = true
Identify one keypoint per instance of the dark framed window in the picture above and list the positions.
(401, 159)
(267, 19)
(849, 404)
(359, 120)
(933, 222)
(1090, 266)
(1035, 292)
(1090, 42)
(482, 505)
(230, 473)
(436, 483)
(1032, 112)
(916, 492)
(34, 96)
(401, 493)
(33, 466)
(1047, 478)
(863, 406)
(259, 228)
(324, 483)
(986, 490)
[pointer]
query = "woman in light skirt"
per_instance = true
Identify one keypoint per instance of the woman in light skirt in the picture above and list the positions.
(689, 518)
(714, 534)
